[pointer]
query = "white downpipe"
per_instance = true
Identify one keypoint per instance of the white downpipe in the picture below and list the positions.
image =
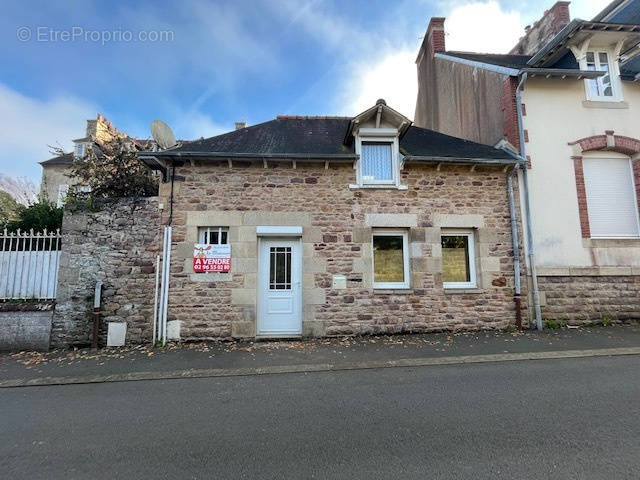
(162, 290)
(155, 299)
(167, 269)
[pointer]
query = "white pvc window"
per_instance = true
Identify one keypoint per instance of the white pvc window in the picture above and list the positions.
(79, 150)
(390, 259)
(213, 235)
(600, 88)
(377, 162)
(458, 259)
(63, 191)
(611, 198)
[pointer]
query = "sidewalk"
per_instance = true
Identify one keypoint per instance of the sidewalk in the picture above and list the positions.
(248, 358)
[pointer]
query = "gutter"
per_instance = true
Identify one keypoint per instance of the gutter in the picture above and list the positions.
(297, 156)
(460, 161)
(525, 181)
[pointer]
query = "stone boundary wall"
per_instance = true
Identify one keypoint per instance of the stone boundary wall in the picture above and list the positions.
(117, 245)
(583, 299)
(25, 325)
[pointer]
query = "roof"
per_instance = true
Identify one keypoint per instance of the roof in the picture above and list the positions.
(509, 61)
(622, 11)
(65, 159)
(320, 137)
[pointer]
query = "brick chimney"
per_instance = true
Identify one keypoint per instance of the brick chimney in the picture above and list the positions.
(537, 35)
(435, 35)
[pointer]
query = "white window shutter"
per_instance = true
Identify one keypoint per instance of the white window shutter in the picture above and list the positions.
(611, 197)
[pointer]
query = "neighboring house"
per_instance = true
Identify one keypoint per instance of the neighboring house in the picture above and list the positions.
(338, 225)
(577, 125)
(56, 172)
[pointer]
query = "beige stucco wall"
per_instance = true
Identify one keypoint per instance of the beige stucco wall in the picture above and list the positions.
(52, 177)
(555, 115)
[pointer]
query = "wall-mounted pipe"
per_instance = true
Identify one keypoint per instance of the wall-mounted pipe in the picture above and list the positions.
(97, 294)
(527, 212)
(516, 250)
(155, 299)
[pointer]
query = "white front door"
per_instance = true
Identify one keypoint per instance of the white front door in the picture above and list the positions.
(279, 287)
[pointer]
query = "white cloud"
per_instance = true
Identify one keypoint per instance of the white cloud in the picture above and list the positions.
(194, 125)
(392, 77)
(587, 9)
(28, 125)
(483, 27)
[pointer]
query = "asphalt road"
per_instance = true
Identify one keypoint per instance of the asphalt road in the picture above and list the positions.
(560, 419)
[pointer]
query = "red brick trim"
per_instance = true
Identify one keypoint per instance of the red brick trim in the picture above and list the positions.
(617, 143)
(582, 197)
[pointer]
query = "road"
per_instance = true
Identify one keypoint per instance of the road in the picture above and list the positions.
(560, 419)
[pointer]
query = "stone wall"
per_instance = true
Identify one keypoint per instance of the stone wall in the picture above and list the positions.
(337, 226)
(25, 325)
(589, 295)
(117, 245)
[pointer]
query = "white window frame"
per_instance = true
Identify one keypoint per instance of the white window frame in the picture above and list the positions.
(379, 135)
(206, 230)
(471, 244)
(63, 191)
(613, 76)
(405, 259)
(633, 190)
(79, 150)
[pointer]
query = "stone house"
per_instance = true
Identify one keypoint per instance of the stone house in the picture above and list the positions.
(335, 226)
(567, 98)
(56, 171)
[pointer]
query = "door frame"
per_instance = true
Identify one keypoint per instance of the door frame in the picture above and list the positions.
(294, 238)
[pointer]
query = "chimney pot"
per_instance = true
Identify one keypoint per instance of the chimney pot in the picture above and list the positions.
(241, 125)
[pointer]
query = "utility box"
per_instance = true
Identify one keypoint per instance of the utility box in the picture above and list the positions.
(116, 334)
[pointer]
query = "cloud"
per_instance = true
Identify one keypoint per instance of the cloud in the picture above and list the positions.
(29, 125)
(483, 27)
(587, 9)
(392, 77)
(192, 125)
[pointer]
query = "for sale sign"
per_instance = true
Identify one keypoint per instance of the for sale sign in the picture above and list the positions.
(211, 258)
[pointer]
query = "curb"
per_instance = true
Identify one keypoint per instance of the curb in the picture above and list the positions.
(320, 367)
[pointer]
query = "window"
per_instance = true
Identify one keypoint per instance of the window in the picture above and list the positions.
(390, 259)
(611, 197)
(79, 150)
(280, 268)
(213, 235)
(377, 162)
(63, 190)
(601, 87)
(458, 260)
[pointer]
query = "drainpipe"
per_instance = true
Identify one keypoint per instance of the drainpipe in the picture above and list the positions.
(516, 250)
(525, 181)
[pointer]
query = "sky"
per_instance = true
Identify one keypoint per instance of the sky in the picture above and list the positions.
(202, 65)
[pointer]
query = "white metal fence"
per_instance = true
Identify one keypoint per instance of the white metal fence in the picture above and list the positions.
(29, 264)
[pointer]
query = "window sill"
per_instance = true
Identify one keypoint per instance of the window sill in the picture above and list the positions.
(392, 291)
(454, 291)
(604, 104)
(354, 186)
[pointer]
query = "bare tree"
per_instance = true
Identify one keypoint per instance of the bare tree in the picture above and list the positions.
(22, 189)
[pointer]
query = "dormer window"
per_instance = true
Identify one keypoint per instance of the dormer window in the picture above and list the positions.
(79, 150)
(600, 88)
(377, 162)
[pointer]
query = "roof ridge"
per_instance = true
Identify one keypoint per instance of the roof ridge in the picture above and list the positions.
(312, 117)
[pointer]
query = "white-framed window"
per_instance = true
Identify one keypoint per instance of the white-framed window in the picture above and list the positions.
(79, 150)
(606, 86)
(612, 205)
(458, 259)
(213, 235)
(390, 259)
(63, 191)
(379, 163)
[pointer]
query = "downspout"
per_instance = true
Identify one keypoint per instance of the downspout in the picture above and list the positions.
(516, 251)
(527, 213)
